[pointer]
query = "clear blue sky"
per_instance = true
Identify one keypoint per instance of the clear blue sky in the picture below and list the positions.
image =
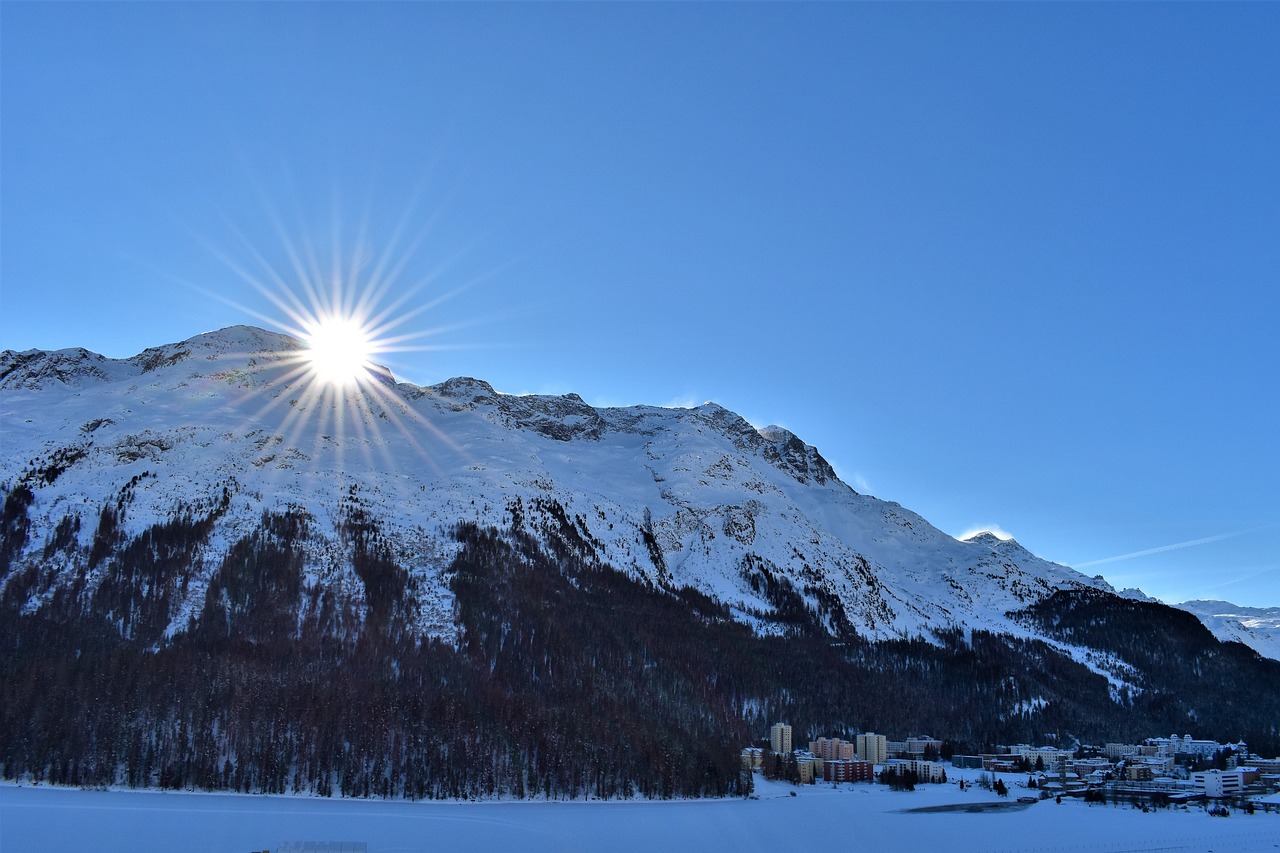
(1011, 265)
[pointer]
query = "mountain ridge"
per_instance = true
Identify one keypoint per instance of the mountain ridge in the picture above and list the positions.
(695, 474)
(1256, 627)
(216, 572)
(258, 354)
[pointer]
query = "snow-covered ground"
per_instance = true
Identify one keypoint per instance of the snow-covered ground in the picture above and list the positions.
(851, 818)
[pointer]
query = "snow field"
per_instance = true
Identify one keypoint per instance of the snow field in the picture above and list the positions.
(850, 818)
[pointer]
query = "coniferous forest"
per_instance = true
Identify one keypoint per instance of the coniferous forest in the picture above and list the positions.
(570, 678)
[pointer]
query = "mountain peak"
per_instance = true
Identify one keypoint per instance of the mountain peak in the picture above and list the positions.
(464, 388)
(35, 368)
(986, 537)
(243, 339)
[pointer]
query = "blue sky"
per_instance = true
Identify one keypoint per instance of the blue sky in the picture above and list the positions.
(1012, 265)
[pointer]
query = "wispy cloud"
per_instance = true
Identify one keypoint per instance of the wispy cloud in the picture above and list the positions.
(994, 529)
(1239, 577)
(1190, 543)
(685, 401)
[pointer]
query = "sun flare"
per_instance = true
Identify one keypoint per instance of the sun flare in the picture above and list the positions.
(339, 349)
(345, 313)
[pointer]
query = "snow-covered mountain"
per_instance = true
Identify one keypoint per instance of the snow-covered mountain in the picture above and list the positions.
(217, 572)
(227, 425)
(1256, 627)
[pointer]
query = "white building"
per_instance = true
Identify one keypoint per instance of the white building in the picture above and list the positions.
(1117, 751)
(1185, 745)
(1219, 784)
(917, 746)
(1050, 757)
(926, 771)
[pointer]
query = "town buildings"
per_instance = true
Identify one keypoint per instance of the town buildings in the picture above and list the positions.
(1082, 767)
(1186, 745)
(1173, 768)
(1117, 751)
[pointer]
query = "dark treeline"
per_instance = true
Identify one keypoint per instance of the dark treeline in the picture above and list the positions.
(1187, 678)
(570, 678)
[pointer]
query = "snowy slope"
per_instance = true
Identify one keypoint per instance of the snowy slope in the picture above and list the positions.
(1256, 627)
(228, 425)
(58, 820)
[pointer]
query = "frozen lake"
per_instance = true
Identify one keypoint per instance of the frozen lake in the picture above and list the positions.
(853, 818)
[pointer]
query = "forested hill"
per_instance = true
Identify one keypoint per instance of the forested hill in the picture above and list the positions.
(571, 679)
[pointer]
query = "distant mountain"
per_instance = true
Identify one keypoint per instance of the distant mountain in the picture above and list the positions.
(209, 558)
(1256, 627)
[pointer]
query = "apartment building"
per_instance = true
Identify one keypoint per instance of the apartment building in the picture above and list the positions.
(780, 738)
(846, 770)
(872, 747)
(828, 748)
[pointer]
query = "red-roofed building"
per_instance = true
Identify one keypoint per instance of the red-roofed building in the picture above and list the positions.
(847, 770)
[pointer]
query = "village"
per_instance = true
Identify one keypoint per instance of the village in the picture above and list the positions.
(1160, 771)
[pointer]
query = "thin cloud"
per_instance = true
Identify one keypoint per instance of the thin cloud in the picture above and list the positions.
(685, 401)
(994, 529)
(1162, 548)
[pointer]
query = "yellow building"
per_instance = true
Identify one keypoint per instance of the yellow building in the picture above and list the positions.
(873, 747)
(809, 765)
(780, 738)
(1138, 773)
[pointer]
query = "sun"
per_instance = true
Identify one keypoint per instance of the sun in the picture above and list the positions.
(344, 313)
(338, 349)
